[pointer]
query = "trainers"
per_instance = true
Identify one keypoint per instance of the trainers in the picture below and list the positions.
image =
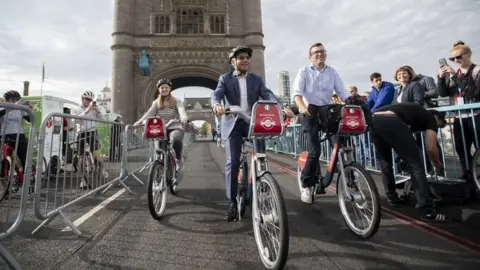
(179, 164)
(394, 200)
(306, 195)
(85, 185)
(434, 216)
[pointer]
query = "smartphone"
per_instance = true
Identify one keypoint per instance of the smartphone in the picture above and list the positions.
(442, 62)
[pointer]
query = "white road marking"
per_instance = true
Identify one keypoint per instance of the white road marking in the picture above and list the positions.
(92, 212)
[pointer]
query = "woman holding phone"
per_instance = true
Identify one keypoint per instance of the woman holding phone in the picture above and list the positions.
(463, 86)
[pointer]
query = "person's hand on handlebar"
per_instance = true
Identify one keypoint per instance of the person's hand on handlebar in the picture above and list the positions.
(288, 113)
(304, 110)
(218, 109)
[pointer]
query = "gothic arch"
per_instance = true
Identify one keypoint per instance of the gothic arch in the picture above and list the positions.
(196, 71)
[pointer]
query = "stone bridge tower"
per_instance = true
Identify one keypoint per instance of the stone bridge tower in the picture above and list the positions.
(188, 41)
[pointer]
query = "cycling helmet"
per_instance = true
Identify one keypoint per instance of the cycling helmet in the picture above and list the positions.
(164, 81)
(88, 94)
(235, 51)
(12, 94)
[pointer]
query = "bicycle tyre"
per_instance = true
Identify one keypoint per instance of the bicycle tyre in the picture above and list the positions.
(157, 165)
(284, 233)
(172, 174)
(7, 172)
(375, 202)
(475, 161)
(245, 187)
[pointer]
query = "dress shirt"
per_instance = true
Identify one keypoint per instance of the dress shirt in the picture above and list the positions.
(316, 86)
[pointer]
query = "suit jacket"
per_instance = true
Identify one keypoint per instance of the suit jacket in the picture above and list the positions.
(413, 92)
(228, 92)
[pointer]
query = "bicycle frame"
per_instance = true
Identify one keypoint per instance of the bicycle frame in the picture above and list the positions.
(165, 154)
(9, 157)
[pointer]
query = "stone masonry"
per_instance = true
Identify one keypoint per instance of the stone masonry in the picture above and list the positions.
(175, 54)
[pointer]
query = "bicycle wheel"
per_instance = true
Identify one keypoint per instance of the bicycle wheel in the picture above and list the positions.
(475, 168)
(171, 176)
(273, 252)
(5, 179)
(156, 190)
(243, 199)
(359, 200)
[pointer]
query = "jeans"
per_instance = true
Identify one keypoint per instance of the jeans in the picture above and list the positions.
(311, 126)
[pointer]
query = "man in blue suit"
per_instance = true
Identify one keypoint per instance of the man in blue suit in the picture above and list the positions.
(240, 88)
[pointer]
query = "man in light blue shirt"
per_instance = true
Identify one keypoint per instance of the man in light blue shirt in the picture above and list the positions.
(313, 87)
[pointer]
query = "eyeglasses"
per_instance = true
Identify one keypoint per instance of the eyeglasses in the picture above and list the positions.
(458, 57)
(321, 52)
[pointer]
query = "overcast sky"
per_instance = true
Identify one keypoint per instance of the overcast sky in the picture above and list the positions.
(363, 36)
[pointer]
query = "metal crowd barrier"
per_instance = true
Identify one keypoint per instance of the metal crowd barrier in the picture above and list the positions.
(73, 172)
(294, 141)
(12, 205)
(64, 165)
(139, 153)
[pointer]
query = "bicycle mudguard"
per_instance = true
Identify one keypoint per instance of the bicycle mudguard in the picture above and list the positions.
(302, 159)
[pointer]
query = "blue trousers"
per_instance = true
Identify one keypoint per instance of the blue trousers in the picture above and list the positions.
(233, 151)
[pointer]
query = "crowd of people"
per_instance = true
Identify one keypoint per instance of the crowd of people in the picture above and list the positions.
(394, 106)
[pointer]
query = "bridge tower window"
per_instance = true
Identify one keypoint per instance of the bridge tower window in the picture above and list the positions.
(162, 24)
(189, 21)
(217, 24)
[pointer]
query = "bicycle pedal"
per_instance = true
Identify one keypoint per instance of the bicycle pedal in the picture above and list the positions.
(320, 190)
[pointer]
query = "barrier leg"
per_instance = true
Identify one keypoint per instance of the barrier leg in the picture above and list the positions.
(120, 183)
(8, 257)
(69, 223)
(44, 223)
(65, 219)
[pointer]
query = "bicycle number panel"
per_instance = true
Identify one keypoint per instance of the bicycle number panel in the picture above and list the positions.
(155, 129)
(352, 121)
(266, 120)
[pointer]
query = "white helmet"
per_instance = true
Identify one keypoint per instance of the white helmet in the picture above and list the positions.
(88, 94)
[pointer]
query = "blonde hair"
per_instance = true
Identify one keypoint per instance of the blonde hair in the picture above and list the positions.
(166, 102)
(460, 46)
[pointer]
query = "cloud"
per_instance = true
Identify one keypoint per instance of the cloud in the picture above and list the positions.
(73, 38)
(361, 37)
(367, 36)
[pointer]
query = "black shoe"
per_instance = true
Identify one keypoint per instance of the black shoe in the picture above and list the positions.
(434, 216)
(232, 212)
(394, 200)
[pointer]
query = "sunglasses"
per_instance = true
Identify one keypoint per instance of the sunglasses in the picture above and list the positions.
(458, 57)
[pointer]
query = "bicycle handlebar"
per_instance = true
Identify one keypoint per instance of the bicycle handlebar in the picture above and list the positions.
(237, 110)
(242, 113)
(171, 122)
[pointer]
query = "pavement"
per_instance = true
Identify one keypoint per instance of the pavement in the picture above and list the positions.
(121, 234)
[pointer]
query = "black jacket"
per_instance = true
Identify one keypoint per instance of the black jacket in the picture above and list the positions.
(413, 92)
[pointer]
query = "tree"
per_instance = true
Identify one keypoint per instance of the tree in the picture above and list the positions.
(204, 129)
